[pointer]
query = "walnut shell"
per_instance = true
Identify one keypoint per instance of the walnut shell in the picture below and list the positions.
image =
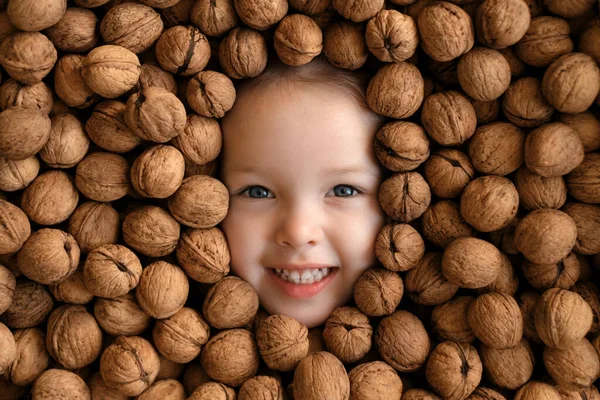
(243, 52)
(582, 182)
(486, 111)
(546, 236)
(399, 247)
(230, 303)
(111, 70)
(133, 26)
(571, 83)
(536, 191)
(73, 338)
(321, 375)
(448, 172)
(344, 45)
(483, 73)
(8, 284)
(31, 15)
(507, 281)
(401, 146)
(534, 390)
(587, 220)
(30, 306)
(201, 140)
(547, 39)
(562, 318)
(129, 365)
(49, 256)
(151, 231)
(591, 294)
(310, 7)
(553, 150)
(180, 337)
(261, 387)
(261, 15)
(94, 224)
(67, 144)
(449, 118)
(449, 320)
(402, 341)
(214, 18)
(396, 90)
(454, 370)
(358, 10)
(14, 228)
(471, 263)
(210, 94)
(27, 56)
(442, 223)
(517, 66)
(378, 292)
(298, 39)
(392, 36)
(169, 369)
(446, 31)
(153, 75)
(111, 270)
(51, 198)
(204, 254)
(72, 290)
(502, 23)
(23, 132)
(183, 50)
(32, 358)
(103, 176)
(231, 357)
(569, 8)
(106, 127)
(496, 320)
(374, 380)
(589, 42)
(528, 304)
(213, 391)
(348, 334)
(38, 95)
(426, 285)
(497, 148)
(76, 32)
(587, 127)
(9, 348)
(158, 172)
(508, 368)
(589, 393)
(576, 366)
(161, 389)
(58, 383)
(524, 104)
(121, 316)
(404, 196)
(282, 342)
(163, 289)
(563, 274)
(200, 202)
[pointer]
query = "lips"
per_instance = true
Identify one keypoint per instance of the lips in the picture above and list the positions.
(302, 282)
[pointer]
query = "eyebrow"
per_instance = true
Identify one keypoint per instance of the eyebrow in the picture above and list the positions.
(334, 170)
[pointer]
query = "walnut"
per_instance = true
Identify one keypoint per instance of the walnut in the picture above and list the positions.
(448, 172)
(528, 304)
(31, 357)
(73, 338)
(260, 15)
(321, 375)
(23, 132)
(298, 39)
(396, 90)
(155, 114)
(524, 105)
(111, 71)
(497, 148)
(6, 26)
(200, 202)
(496, 320)
(507, 281)
(204, 254)
(546, 40)
(569, 8)
(68, 143)
(471, 263)
(231, 357)
(30, 306)
(129, 365)
(489, 203)
(133, 26)
(214, 18)
(442, 223)
(103, 176)
(358, 10)
(194, 376)
(161, 389)
(151, 230)
(446, 31)
(374, 380)
(454, 370)
(486, 111)
(348, 334)
(72, 290)
(9, 349)
(449, 118)
(582, 182)
(18, 174)
(586, 393)
(213, 391)
(158, 172)
(587, 220)
(534, 390)
(8, 284)
(449, 320)
(399, 247)
(426, 285)
(344, 45)
(571, 83)
(180, 337)
(402, 341)
(69, 84)
(76, 31)
(310, 7)
(261, 387)
(392, 36)
(419, 394)
(58, 383)
(282, 342)
(536, 191)
(508, 368)
(591, 294)
(401, 146)
(576, 366)
(563, 274)
(162, 290)
(90, 3)
(111, 270)
(502, 23)
(404, 196)
(587, 127)
(553, 150)
(94, 224)
(517, 66)
(484, 74)
(210, 94)
(562, 318)
(201, 140)
(230, 303)
(169, 369)
(589, 42)
(546, 236)
(153, 75)
(27, 56)
(243, 53)
(106, 127)
(38, 95)
(121, 316)
(183, 50)
(51, 198)
(32, 15)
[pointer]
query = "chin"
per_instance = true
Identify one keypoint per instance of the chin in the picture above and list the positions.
(310, 319)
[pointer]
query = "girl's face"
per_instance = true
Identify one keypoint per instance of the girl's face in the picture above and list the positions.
(303, 213)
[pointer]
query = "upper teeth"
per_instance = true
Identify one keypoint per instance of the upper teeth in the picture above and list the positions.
(303, 276)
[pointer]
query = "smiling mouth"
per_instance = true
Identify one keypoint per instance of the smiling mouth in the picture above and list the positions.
(302, 277)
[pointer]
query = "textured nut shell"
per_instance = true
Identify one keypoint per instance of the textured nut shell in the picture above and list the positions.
(111, 70)
(547, 39)
(14, 228)
(591, 294)
(163, 289)
(446, 31)
(496, 320)
(214, 18)
(533, 390)
(111, 270)
(426, 285)
(73, 338)
(358, 10)
(67, 144)
(536, 191)
(51, 198)
(164, 389)
(589, 393)
(449, 320)
(576, 366)
(402, 341)
(502, 23)
(27, 56)
(348, 334)
(344, 45)
(563, 274)
(442, 223)
(243, 53)
(35, 15)
(263, 387)
(579, 78)
(454, 370)
(528, 304)
(72, 290)
(524, 104)
(18, 174)
(183, 50)
(210, 94)
(507, 281)
(553, 149)
(298, 39)
(582, 182)
(569, 9)
(483, 73)
(58, 383)
(260, 15)
(158, 172)
(508, 368)
(404, 196)
(49, 256)
(448, 172)
(396, 90)
(546, 236)
(230, 303)
(587, 127)
(401, 146)
(378, 292)
(201, 141)
(321, 375)
(9, 348)
(282, 342)
(449, 118)
(129, 365)
(106, 127)
(589, 42)
(213, 391)
(231, 357)
(30, 306)
(200, 202)
(32, 357)
(121, 316)
(374, 380)
(23, 132)
(76, 31)
(180, 337)
(471, 263)
(38, 95)
(151, 231)
(204, 254)
(132, 25)
(103, 176)
(153, 75)
(8, 284)
(399, 247)
(486, 111)
(94, 224)
(587, 220)
(392, 36)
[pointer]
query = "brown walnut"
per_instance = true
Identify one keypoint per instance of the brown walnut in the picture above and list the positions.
(471, 263)
(183, 50)
(18, 174)
(330, 382)
(401, 146)
(214, 18)
(483, 73)
(103, 176)
(51, 198)
(200, 202)
(121, 316)
(32, 357)
(14, 228)
(546, 40)
(508, 368)
(72, 290)
(404, 196)
(553, 149)
(243, 53)
(587, 220)
(111, 70)
(502, 23)
(162, 290)
(94, 224)
(348, 334)
(298, 39)
(23, 132)
(31, 305)
(563, 274)
(76, 32)
(449, 118)
(260, 15)
(344, 45)
(111, 270)
(449, 320)
(524, 104)
(158, 172)
(201, 140)
(57, 383)
(204, 254)
(230, 303)
(497, 148)
(69, 83)
(151, 231)
(106, 127)
(282, 342)
(442, 223)
(180, 337)
(534, 390)
(583, 183)
(8, 283)
(448, 172)
(496, 320)
(131, 25)
(374, 379)
(67, 144)
(27, 56)
(587, 127)
(536, 191)
(426, 285)
(569, 8)
(392, 36)
(399, 247)
(210, 94)
(39, 95)
(575, 367)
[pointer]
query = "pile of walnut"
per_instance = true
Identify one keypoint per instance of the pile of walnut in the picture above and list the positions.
(109, 136)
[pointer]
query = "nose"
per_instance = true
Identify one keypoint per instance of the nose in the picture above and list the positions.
(299, 225)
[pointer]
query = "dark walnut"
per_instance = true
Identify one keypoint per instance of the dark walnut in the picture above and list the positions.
(448, 172)
(401, 146)
(404, 196)
(442, 223)
(449, 320)
(563, 274)
(14, 228)
(76, 32)
(131, 25)
(183, 50)
(399, 247)
(569, 8)
(524, 104)
(583, 183)
(587, 127)
(426, 285)
(536, 191)
(587, 220)
(497, 148)
(31, 305)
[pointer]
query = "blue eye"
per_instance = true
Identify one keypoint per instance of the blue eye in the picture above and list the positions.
(256, 192)
(344, 190)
